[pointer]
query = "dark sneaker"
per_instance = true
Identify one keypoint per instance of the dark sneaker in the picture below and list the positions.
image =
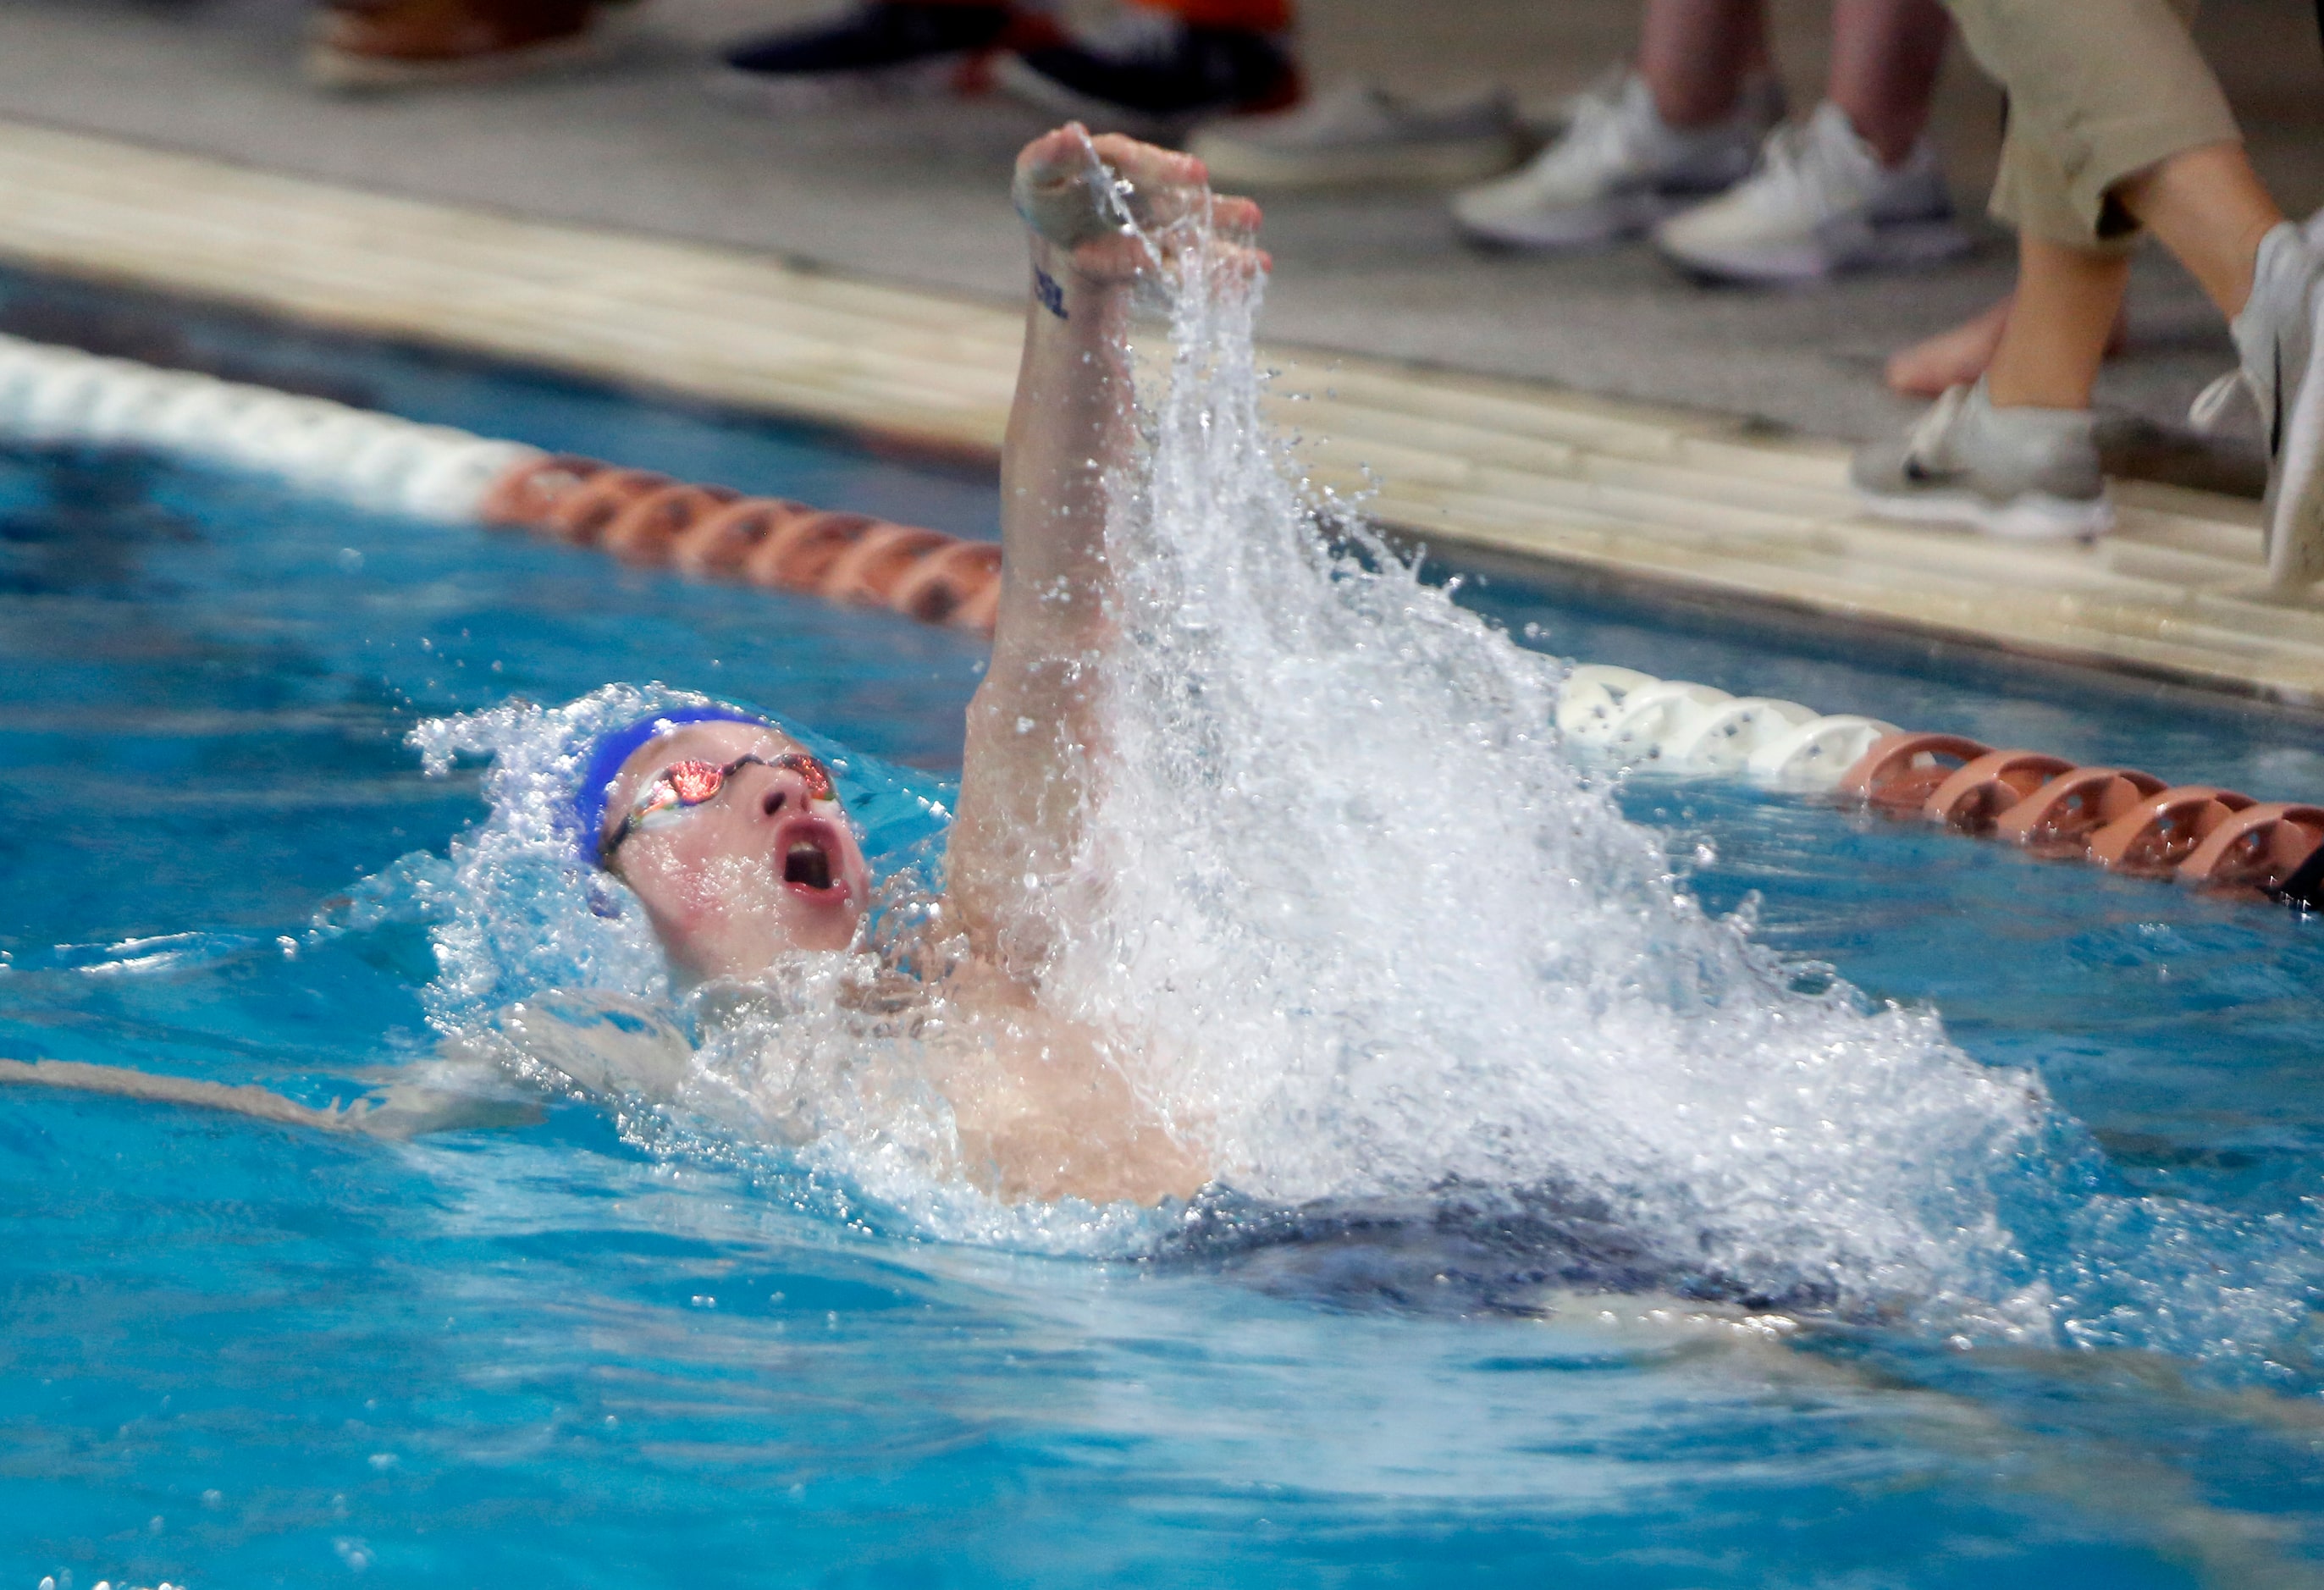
(2023, 474)
(893, 48)
(2281, 368)
(1154, 77)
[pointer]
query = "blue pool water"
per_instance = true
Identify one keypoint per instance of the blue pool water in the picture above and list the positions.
(237, 1354)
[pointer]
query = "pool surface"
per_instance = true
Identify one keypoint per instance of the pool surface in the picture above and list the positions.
(238, 1355)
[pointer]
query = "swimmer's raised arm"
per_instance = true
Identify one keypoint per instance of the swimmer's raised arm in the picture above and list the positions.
(1031, 730)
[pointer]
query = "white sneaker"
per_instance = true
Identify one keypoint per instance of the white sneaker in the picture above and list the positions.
(2280, 337)
(1617, 169)
(1363, 133)
(2023, 474)
(1820, 203)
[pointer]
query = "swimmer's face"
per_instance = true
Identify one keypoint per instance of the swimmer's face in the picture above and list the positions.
(765, 865)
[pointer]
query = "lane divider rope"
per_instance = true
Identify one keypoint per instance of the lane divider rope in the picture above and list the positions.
(377, 461)
(61, 395)
(2119, 817)
(2128, 821)
(642, 517)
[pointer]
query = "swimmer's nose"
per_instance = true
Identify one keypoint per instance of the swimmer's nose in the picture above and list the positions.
(787, 791)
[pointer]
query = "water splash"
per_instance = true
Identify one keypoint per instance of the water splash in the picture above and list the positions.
(1357, 922)
(519, 916)
(1374, 934)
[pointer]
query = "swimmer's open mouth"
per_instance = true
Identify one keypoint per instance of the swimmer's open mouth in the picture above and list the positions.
(805, 863)
(812, 861)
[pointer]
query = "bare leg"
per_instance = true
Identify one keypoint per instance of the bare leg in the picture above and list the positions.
(2055, 335)
(1884, 56)
(1694, 55)
(2208, 208)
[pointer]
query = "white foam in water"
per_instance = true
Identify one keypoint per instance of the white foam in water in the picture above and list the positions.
(517, 916)
(1359, 924)
(1373, 930)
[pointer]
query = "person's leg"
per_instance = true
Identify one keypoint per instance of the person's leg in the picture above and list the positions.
(1683, 123)
(1959, 355)
(2015, 453)
(1695, 54)
(2109, 88)
(2209, 209)
(2115, 119)
(1858, 186)
(2055, 335)
(1884, 56)
(2267, 277)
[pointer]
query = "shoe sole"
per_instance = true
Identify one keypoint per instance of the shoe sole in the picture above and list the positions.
(2295, 536)
(1022, 83)
(1902, 246)
(1442, 163)
(343, 72)
(1598, 226)
(2037, 516)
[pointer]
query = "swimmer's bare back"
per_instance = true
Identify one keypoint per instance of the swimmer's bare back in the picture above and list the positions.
(395, 1115)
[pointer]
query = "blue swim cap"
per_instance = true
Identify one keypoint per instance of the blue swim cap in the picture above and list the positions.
(618, 745)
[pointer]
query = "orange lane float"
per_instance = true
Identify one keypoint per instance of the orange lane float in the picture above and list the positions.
(642, 517)
(2126, 820)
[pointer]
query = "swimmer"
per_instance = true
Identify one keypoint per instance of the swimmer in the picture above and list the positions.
(730, 834)
(732, 838)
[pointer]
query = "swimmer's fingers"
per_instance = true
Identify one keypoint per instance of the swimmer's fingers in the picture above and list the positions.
(1234, 237)
(1123, 257)
(1225, 264)
(1076, 192)
(1248, 263)
(1234, 220)
(1229, 240)
(1063, 190)
(1162, 187)
(1128, 257)
(1070, 188)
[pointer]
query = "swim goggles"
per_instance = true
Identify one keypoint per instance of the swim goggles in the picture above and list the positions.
(687, 784)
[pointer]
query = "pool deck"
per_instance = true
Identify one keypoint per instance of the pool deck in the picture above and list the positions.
(1733, 505)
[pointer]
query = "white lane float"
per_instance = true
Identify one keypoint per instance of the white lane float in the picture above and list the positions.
(1701, 730)
(434, 472)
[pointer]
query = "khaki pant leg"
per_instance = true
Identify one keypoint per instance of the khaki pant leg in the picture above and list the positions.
(2098, 90)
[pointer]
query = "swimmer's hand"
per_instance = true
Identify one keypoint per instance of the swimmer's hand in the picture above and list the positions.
(1100, 207)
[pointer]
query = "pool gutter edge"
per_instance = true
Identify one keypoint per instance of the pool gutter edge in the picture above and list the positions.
(1577, 487)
